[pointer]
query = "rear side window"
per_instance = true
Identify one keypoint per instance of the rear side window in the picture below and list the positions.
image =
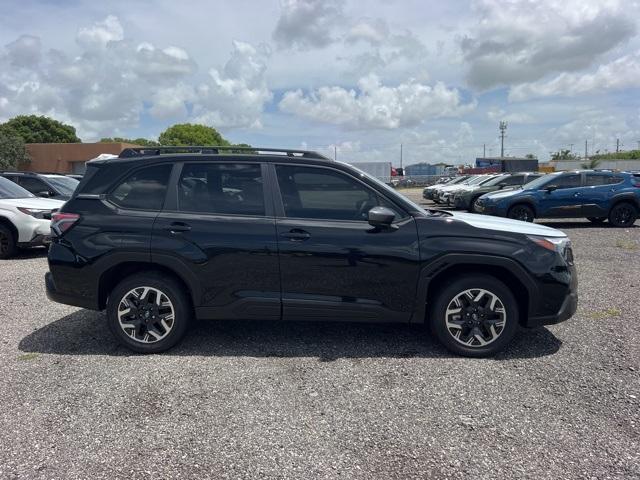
(595, 179)
(320, 193)
(565, 181)
(144, 189)
(221, 188)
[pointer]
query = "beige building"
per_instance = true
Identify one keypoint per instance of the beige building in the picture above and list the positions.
(67, 157)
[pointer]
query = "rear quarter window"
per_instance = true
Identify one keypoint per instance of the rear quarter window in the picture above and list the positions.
(144, 189)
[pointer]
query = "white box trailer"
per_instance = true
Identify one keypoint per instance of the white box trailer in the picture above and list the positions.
(379, 170)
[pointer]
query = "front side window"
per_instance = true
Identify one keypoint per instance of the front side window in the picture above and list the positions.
(565, 181)
(321, 193)
(221, 188)
(144, 189)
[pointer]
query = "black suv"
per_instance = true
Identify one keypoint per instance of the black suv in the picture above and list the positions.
(47, 185)
(162, 235)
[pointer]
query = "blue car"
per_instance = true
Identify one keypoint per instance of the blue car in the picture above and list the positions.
(596, 195)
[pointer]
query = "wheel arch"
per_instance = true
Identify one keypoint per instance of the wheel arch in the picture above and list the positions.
(116, 273)
(509, 272)
(9, 224)
(527, 203)
(631, 198)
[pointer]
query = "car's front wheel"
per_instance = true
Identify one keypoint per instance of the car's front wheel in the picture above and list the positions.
(623, 215)
(521, 212)
(8, 247)
(148, 312)
(475, 316)
(472, 204)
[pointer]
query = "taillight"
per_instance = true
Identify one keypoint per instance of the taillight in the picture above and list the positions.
(61, 222)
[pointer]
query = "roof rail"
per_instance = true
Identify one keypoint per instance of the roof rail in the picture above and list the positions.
(217, 150)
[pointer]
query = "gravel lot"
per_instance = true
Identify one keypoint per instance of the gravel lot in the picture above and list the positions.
(269, 400)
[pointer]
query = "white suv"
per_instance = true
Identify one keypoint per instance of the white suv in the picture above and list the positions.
(25, 220)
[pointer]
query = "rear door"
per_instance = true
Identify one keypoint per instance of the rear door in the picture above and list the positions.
(333, 264)
(599, 188)
(565, 200)
(218, 230)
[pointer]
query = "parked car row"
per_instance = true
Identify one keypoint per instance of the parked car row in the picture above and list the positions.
(46, 185)
(598, 195)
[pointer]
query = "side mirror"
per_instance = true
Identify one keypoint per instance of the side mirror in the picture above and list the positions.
(551, 188)
(43, 194)
(381, 217)
(501, 186)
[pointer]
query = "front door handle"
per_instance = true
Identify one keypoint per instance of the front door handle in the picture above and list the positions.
(297, 235)
(177, 227)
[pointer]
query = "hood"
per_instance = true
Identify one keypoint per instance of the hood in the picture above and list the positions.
(506, 225)
(504, 193)
(33, 202)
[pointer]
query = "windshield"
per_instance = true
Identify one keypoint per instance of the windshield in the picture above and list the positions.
(476, 180)
(458, 180)
(486, 180)
(539, 182)
(8, 189)
(65, 185)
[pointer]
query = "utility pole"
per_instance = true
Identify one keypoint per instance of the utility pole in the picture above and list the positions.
(617, 145)
(571, 147)
(335, 153)
(484, 149)
(585, 150)
(400, 155)
(503, 128)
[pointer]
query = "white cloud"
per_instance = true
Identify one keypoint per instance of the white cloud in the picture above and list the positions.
(375, 105)
(517, 41)
(100, 34)
(105, 89)
(308, 23)
(618, 74)
(235, 95)
(498, 114)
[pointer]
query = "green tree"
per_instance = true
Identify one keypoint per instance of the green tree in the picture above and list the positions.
(41, 129)
(12, 150)
(188, 134)
(530, 156)
(564, 155)
(144, 142)
(628, 155)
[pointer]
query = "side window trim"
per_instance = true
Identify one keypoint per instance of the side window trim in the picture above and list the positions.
(279, 204)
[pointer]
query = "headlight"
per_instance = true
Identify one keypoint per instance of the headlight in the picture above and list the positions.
(561, 245)
(36, 213)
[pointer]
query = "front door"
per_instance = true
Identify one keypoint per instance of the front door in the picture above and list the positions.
(333, 264)
(562, 197)
(220, 231)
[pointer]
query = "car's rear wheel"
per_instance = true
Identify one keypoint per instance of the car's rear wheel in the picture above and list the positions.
(596, 220)
(521, 212)
(475, 316)
(148, 312)
(8, 244)
(623, 215)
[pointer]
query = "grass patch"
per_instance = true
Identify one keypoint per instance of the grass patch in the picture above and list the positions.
(601, 314)
(627, 245)
(28, 356)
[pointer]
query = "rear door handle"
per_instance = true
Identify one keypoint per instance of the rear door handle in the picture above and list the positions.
(297, 235)
(177, 227)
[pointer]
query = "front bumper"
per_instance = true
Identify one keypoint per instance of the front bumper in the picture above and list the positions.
(461, 202)
(567, 308)
(38, 240)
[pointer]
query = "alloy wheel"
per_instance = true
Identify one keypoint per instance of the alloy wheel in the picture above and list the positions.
(475, 317)
(146, 314)
(521, 213)
(623, 215)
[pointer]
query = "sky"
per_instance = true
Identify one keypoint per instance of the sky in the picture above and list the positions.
(353, 78)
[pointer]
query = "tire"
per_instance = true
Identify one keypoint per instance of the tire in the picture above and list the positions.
(504, 319)
(521, 212)
(139, 331)
(8, 243)
(623, 215)
(597, 220)
(472, 204)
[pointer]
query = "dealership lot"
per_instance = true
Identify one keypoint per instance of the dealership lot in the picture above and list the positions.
(276, 400)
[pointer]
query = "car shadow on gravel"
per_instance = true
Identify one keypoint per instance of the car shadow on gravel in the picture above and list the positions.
(27, 253)
(85, 333)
